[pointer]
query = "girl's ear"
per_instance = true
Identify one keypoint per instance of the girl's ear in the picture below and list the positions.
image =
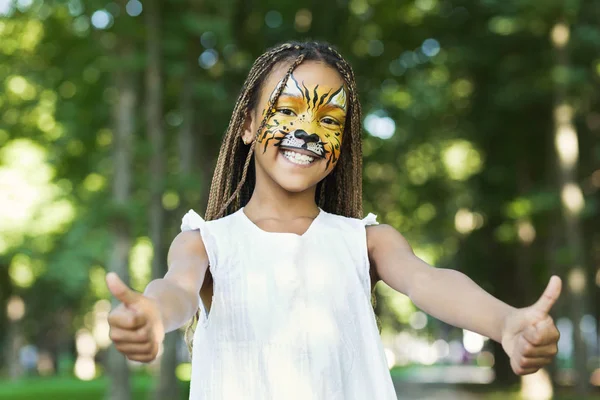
(248, 132)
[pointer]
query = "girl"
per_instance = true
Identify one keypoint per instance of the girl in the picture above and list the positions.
(285, 268)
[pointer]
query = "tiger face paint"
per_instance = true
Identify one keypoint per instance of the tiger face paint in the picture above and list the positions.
(307, 121)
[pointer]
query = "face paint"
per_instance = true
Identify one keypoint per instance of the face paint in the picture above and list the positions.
(308, 118)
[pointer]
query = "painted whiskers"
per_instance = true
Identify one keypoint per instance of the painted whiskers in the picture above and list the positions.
(308, 119)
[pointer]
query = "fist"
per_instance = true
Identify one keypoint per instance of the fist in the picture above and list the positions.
(530, 337)
(136, 326)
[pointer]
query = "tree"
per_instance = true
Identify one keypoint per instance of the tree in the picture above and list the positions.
(124, 117)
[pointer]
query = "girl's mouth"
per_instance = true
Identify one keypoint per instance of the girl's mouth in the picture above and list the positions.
(297, 157)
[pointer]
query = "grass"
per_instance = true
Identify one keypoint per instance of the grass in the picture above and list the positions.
(70, 388)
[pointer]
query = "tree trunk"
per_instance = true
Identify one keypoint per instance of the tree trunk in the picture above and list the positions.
(124, 130)
(567, 157)
(167, 382)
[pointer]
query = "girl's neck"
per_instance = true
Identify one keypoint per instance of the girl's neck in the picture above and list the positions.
(272, 201)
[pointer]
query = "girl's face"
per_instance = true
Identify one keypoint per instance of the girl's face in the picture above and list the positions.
(301, 142)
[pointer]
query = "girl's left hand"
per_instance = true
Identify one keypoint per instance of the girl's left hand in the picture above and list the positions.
(529, 335)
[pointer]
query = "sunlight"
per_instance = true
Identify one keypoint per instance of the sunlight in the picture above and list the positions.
(303, 20)
(85, 368)
(526, 231)
(577, 280)
(390, 358)
(20, 87)
(94, 182)
(567, 145)
(572, 198)
(97, 274)
(21, 272)
(170, 200)
(560, 35)
(33, 33)
(461, 160)
(6, 7)
(536, 386)
(462, 88)
(101, 19)
(134, 8)
(466, 221)
(418, 320)
(183, 372)
(101, 329)
(140, 263)
(503, 25)
(472, 341)
(85, 343)
(380, 126)
(15, 309)
(400, 304)
(442, 348)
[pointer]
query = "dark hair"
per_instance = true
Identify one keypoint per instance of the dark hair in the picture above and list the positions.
(339, 193)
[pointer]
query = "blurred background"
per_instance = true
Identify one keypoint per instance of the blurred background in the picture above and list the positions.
(481, 145)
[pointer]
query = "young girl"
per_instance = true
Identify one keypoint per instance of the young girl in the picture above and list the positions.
(285, 267)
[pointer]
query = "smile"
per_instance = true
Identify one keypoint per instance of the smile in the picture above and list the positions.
(297, 158)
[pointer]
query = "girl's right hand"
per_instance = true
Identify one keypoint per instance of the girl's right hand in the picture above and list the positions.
(136, 326)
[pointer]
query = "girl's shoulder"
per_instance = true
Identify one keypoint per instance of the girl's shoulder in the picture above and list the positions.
(343, 221)
(192, 220)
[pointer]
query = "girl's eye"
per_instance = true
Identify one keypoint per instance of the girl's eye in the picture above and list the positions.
(329, 121)
(286, 111)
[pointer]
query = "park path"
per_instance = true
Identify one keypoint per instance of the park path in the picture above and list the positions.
(411, 391)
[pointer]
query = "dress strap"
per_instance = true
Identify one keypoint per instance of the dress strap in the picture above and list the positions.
(370, 219)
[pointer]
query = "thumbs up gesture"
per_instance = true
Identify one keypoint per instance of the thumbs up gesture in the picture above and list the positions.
(136, 326)
(529, 336)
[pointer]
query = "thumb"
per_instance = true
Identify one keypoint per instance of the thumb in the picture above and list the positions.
(120, 290)
(550, 295)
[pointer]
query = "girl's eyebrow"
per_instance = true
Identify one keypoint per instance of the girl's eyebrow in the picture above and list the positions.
(295, 96)
(333, 106)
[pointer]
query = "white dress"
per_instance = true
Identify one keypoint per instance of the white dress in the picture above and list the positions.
(291, 315)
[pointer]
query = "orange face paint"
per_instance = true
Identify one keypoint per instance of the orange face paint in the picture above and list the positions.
(307, 118)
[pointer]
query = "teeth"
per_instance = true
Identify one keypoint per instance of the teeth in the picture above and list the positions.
(297, 158)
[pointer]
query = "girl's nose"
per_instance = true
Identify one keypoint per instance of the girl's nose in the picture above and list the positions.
(301, 134)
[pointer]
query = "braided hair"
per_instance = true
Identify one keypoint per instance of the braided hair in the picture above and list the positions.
(234, 180)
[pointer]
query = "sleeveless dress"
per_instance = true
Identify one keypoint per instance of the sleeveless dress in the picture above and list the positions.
(291, 316)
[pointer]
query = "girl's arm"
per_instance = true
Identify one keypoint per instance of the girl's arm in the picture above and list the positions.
(528, 335)
(178, 293)
(139, 323)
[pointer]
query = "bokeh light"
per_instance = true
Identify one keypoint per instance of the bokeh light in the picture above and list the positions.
(473, 341)
(15, 309)
(273, 19)
(134, 8)
(6, 7)
(101, 19)
(380, 126)
(208, 58)
(430, 47)
(208, 39)
(303, 20)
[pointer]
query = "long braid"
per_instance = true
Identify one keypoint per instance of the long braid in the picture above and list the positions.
(232, 184)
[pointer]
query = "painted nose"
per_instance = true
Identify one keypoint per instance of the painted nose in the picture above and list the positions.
(301, 134)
